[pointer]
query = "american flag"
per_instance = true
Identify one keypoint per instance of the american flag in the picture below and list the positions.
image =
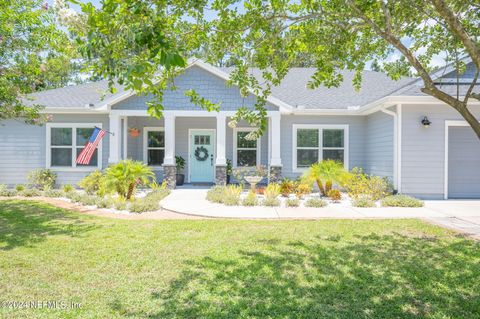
(86, 155)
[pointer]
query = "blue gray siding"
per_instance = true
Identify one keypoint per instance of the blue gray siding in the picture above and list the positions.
(379, 145)
(423, 149)
(23, 148)
(205, 84)
(356, 138)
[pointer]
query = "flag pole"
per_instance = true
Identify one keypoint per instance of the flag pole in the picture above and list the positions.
(113, 134)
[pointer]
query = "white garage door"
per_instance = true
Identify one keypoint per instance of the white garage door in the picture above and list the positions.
(463, 163)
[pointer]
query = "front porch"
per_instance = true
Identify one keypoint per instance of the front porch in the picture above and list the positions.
(202, 138)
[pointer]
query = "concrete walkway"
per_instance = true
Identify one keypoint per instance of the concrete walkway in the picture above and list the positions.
(463, 216)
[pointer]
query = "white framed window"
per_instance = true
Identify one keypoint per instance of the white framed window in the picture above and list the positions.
(313, 143)
(245, 152)
(153, 146)
(65, 141)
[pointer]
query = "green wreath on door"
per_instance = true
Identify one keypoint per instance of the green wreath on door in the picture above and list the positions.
(201, 154)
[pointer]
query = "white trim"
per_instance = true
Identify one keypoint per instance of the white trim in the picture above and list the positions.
(147, 129)
(320, 148)
(236, 149)
(395, 146)
(214, 131)
(125, 137)
(448, 124)
(73, 147)
(399, 147)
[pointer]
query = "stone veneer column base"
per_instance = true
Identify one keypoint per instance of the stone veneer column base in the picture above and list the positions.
(170, 175)
(220, 175)
(274, 174)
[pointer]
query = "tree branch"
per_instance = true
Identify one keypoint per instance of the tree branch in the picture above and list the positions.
(457, 28)
(470, 89)
(430, 87)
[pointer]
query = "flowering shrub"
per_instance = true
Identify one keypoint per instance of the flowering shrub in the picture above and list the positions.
(358, 184)
(42, 178)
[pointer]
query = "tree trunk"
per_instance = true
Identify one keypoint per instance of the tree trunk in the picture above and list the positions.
(458, 105)
(320, 186)
(471, 119)
(131, 188)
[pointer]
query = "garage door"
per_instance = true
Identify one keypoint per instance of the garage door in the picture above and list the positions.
(463, 163)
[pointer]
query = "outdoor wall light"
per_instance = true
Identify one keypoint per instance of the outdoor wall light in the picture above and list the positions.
(426, 122)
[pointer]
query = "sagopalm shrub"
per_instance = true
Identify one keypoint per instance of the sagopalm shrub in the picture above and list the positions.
(315, 202)
(271, 202)
(232, 195)
(250, 200)
(145, 204)
(103, 202)
(401, 201)
(120, 203)
(88, 200)
(54, 193)
(216, 194)
(363, 202)
(30, 192)
(292, 202)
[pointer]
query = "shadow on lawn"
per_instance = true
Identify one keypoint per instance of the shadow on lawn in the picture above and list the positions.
(23, 223)
(390, 276)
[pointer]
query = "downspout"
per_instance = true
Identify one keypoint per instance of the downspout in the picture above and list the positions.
(396, 181)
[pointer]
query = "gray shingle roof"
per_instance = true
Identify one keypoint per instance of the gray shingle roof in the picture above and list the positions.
(451, 89)
(293, 89)
(75, 96)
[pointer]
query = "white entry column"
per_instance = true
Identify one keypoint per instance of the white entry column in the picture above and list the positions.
(275, 169)
(169, 139)
(169, 168)
(114, 127)
(221, 160)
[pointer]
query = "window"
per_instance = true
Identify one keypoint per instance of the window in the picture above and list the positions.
(154, 146)
(245, 152)
(314, 143)
(66, 141)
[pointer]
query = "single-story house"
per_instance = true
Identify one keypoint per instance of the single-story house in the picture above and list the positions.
(378, 128)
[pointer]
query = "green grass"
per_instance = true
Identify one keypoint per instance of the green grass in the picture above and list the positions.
(231, 269)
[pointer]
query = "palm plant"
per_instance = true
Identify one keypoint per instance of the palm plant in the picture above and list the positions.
(126, 175)
(324, 174)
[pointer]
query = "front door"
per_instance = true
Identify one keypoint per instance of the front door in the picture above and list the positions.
(201, 163)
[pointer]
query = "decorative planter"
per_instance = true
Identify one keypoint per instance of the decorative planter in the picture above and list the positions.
(134, 132)
(228, 179)
(180, 179)
(253, 180)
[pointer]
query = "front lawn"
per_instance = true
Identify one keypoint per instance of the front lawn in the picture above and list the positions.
(229, 269)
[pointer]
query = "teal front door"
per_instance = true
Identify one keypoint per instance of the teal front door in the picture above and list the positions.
(201, 162)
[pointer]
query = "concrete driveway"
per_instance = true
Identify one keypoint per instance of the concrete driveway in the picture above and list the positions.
(463, 216)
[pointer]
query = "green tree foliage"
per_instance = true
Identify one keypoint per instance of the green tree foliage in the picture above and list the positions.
(35, 54)
(137, 41)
